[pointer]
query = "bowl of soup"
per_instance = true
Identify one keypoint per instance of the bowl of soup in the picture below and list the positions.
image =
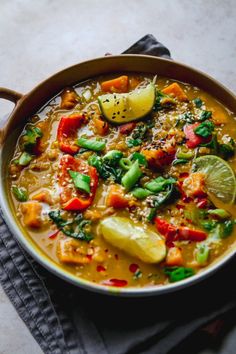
(118, 174)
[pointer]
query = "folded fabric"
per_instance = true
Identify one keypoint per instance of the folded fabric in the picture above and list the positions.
(65, 319)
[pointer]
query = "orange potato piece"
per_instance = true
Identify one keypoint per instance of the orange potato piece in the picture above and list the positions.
(44, 196)
(68, 99)
(71, 251)
(176, 91)
(116, 197)
(119, 84)
(174, 257)
(193, 185)
(101, 127)
(32, 214)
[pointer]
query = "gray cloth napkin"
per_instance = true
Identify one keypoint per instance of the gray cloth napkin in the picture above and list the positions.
(65, 319)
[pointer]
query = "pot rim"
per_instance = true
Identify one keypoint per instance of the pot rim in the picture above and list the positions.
(54, 267)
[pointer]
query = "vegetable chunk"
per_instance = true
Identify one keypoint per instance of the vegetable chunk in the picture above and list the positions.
(32, 214)
(144, 244)
(119, 84)
(71, 251)
(176, 91)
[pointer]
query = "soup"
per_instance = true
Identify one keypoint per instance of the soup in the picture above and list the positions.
(128, 181)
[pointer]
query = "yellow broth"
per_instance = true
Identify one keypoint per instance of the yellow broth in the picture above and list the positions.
(105, 261)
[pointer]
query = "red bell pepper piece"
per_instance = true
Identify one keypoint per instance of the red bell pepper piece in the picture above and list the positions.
(193, 139)
(72, 198)
(127, 128)
(67, 132)
(184, 233)
(173, 233)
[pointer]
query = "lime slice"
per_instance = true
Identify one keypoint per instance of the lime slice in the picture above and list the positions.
(120, 108)
(220, 178)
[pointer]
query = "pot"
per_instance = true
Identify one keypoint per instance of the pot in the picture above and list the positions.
(29, 104)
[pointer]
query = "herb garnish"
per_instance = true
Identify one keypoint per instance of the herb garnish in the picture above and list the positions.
(75, 228)
(205, 129)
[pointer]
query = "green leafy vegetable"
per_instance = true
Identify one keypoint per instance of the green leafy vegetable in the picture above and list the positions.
(187, 117)
(30, 138)
(159, 183)
(163, 197)
(113, 157)
(81, 181)
(205, 129)
(76, 228)
(137, 274)
(20, 194)
(178, 273)
(198, 102)
(205, 115)
(91, 144)
(226, 150)
(140, 157)
(106, 168)
(163, 101)
(137, 135)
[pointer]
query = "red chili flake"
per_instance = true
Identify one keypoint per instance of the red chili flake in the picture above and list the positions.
(54, 235)
(115, 282)
(89, 256)
(100, 268)
(202, 204)
(183, 175)
(116, 257)
(133, 267)
(106, 250)
(180, 206)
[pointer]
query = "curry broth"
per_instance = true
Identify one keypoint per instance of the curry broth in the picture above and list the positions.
(105, 261)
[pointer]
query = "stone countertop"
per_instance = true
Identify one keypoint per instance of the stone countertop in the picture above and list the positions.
(38, 38)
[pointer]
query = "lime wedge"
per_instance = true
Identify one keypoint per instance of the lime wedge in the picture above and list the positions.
(120, 108)
(219, 177)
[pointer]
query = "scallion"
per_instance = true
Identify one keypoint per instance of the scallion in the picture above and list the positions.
(131, 176)
(141, 193)
(91, 144)
(81, 181)
(125, 163)
(25, 159)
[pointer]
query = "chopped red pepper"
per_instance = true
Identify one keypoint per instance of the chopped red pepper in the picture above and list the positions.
(72, 198)
(115, 282)
(100, 268)
(133, 267)
(127, 128)
(54, 234)
(67, 132)
(173, 233)
(193, 139)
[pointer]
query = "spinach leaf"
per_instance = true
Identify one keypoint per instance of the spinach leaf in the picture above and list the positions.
(30, 138)
(106, 168)
(75, 228)
(163, 101)
(178, 273)
(205, 129)
(20, 194)
(205, 115)
(198, 102)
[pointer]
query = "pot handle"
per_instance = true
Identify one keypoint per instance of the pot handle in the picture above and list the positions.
(10, 95)
(14, 97)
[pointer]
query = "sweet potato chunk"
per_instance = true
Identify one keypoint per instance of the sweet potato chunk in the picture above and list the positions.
(176, 91)
(70, 250)
(32, 214)
(119, 84)
(43, 196)
(174, 257)
(193, 186)
(68, 99)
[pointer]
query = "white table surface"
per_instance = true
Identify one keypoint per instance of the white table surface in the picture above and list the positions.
(38, 38)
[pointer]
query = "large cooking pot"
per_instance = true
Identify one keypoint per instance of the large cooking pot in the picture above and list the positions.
(26, 105)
